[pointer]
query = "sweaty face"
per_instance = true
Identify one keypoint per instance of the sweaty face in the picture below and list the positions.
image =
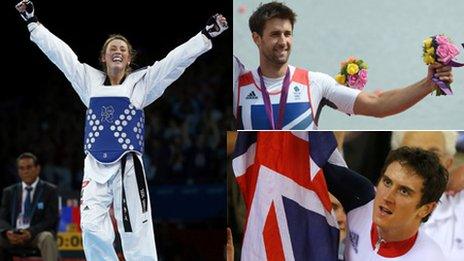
(276, 42)
(430, 140)
(117, 55)
(397, 199)
(27, 171)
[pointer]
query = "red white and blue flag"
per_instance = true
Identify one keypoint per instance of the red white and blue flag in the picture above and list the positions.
(289, 213)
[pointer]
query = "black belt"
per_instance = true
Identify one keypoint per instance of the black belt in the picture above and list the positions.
(142, 188)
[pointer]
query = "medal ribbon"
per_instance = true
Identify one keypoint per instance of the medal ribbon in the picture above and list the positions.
(282, 103)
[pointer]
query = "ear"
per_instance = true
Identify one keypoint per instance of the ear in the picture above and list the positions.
(426, 209)
(256, 38)
(102, 59)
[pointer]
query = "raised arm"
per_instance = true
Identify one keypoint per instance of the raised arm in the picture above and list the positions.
(57, 51)
(395, 101)
(169, 69)
(349, 187)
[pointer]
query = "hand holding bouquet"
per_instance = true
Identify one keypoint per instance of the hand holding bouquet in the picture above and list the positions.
(353, 73)
(440, 49)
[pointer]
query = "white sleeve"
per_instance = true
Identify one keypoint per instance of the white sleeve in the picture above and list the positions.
(162, 73)
(64, 58)
(239, 68)
(339, 95)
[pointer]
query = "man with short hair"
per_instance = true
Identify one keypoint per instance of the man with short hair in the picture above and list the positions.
(446, 225)
(385, 224)
(280, 96)
(29, 211)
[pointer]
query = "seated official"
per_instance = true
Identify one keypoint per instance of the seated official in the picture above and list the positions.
(29, 213)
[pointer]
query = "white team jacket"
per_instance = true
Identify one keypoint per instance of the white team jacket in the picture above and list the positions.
(142, 87)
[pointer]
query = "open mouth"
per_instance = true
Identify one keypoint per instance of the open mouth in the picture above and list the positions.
(117, 58)
(385, 211)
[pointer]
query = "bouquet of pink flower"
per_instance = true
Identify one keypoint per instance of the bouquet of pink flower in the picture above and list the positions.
(440, 49)
(353, 73)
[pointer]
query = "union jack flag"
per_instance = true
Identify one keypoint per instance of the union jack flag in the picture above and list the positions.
(289, 213)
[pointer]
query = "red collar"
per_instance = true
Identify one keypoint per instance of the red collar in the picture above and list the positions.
(391, 249)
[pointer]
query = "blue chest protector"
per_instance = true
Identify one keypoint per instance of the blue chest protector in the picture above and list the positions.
(113, 127)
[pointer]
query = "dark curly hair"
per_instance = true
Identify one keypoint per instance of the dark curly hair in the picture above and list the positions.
(426, 165)
(266, 12)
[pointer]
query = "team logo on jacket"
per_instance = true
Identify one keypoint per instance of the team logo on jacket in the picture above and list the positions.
(354, 238)
(296, 92)
(107, 113)
(251, 96)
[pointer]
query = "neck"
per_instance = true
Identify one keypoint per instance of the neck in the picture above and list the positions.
(397, 235)
(273, 70)
(115, 77)
(30, 183)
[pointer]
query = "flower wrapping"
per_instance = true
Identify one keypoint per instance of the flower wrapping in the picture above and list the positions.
(353, 73)
(439, 48)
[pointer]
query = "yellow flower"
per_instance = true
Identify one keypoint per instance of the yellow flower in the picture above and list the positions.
(340, 78)
(428, 43)
(430, 51)
(352, 69)
(428, 59)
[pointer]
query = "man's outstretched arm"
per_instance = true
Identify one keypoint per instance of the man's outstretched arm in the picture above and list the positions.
(395, 101)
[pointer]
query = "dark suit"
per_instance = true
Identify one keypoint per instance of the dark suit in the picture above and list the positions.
(45, 215)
